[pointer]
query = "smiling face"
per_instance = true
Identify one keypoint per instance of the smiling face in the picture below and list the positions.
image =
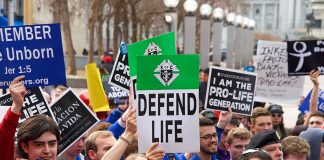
(44, 147)
(208, 139)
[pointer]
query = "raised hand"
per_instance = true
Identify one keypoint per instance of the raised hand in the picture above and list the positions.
(18, 92)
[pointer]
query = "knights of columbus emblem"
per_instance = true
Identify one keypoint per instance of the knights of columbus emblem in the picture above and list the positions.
(166, 72)
(153, 49)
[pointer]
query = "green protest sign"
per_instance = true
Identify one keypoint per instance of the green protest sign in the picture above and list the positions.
(168, 102)
(160, 45)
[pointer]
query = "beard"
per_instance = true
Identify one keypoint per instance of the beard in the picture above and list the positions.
(211, 148)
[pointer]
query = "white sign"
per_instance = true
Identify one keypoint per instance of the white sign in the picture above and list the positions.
(3, 111)
(273, 83)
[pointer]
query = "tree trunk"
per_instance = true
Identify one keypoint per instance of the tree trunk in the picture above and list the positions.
(119, 5)
(125, 26)
(91, 25)
(65, 22)
(134, 23)
(100, 7)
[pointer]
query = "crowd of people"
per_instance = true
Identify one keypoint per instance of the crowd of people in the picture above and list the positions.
(223, 135)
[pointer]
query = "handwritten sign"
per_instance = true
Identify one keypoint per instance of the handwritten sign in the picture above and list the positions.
(273, 83)
(34, 51)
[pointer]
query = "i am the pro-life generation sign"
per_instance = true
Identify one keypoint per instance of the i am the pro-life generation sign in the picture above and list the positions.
(168, 103)
(34, 51)
(230, 88)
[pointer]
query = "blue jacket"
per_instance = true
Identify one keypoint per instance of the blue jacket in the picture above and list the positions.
(114, 116)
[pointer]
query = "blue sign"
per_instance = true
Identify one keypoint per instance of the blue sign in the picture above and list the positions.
(304, 108)
(34, 51)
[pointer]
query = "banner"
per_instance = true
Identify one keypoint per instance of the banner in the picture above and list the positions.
(304, 107)
(73, 117)
(230, 88)
(273, 83)
(160, 45)
(115, 95)
(34, 104)
(304, 56)
(168, 103)
(34, 51)
(97, 97)
(120, 73)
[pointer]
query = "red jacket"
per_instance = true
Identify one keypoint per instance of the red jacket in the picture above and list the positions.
(7, 133)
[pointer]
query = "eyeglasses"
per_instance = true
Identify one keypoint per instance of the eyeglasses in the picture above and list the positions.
(209, 137)
(276, 115)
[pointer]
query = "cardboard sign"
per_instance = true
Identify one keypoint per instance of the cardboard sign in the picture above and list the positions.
(120, 73)
(160, 45)
(304, 56)
(168, 103)
(304, 107)
(273, 83)
(230, 88)
(3, 111)
(115, 94)
(73, 117)
(34, 104)
(34, 51)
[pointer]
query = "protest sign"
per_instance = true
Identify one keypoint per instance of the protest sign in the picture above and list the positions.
(32, 51)
(73, 117)
(273, 83)
(115, 94)
(304, 56)
(160, 45)
(34, 103)
(3, 111)
(304, 107)
(97, 97)
(230, 88)
(168, 102)
(120, 73)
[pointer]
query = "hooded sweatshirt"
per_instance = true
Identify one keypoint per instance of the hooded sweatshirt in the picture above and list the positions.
(314, 137)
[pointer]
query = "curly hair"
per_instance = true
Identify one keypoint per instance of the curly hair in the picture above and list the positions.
(293, 145)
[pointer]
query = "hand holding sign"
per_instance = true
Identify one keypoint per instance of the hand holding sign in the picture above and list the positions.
(313, 75)
(225, 118)
(154, 153)
(18, 92)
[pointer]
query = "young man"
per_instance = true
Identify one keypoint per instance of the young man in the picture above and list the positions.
(37, 138)
(221, 149)
(74, 151)
(10, 121)
(261, 120)
(295, 148)
(237, 140)
(98, 143)
(268, 141)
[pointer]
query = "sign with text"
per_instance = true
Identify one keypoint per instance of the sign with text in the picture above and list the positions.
(168, 103)
(230, 88)
(73, 117)
(34, 103)
(120, 73)
(304, 107)
(31, 51)
(304, 56)
(273, 83)
(114, 94)
(160, 45)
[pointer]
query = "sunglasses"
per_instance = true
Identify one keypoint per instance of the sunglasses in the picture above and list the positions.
(276, 115)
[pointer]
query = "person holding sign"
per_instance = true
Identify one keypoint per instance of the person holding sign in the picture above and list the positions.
(9, 123)
(37, 138)
(314, 118)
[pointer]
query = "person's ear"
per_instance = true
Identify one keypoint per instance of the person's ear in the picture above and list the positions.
(92, 154)
(24, 146)
(227, 146)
